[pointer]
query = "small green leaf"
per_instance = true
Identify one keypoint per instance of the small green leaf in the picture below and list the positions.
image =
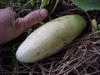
(98, 26)
(88, 4)
(43, 3)
(32, 2)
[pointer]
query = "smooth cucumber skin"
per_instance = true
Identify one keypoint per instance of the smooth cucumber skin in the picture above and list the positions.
(50, 38)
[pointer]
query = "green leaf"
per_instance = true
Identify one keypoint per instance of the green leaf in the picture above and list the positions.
(98, 26)
(43, 3)
(88, 4)
(32, 2)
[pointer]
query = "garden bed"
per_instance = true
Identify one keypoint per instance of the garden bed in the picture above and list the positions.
(81, 57)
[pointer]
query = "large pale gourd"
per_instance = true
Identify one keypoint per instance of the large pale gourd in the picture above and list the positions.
(50, 38)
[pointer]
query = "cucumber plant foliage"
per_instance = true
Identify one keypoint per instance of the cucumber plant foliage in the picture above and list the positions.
(88, 4)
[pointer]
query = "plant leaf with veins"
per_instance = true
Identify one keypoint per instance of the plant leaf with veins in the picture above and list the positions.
(88, 4)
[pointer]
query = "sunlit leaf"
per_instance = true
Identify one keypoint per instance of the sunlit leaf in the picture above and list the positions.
(94, 23)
